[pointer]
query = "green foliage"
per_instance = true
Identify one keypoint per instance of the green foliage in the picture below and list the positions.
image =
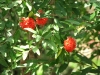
(42, 48)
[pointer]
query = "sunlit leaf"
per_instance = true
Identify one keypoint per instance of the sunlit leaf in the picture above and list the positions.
(40, 70)
(25, 55)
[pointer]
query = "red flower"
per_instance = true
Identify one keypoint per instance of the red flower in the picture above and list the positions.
(40, 11)
(69, 44)
(27, 23)
(41, 21)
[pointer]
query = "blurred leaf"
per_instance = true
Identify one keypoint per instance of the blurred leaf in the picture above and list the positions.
(47, 35)
(1, 1)
(81, 59)
(2, 25)
(52, 45)
(30, 30)
(9, 23)
(76, 73)
(94, 70)
(58, 39)
(89, 70)
(63, 67)
(92, 16)
(44, 3)
(46, 30)
(85, 59)
(57, 55)
(60, 12)
(38, 38)
(85, 71)
(56, 27)
(73, 22)
(31, 14)
(32, 67)
(25, 55)
(28, 5)
(35, 49)
(10, 39)
(11, 54)
(40, 70)
(17, 48)
(73, 65)
(2, 61)
(3, 49)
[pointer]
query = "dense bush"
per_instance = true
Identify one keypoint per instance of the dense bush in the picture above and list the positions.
(32, 35)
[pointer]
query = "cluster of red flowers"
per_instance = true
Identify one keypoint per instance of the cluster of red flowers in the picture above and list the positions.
(31, 23)
(27, 23)
(69, 44)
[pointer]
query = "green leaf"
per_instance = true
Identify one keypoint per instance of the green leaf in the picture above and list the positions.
(83, 59)
(38, 38)
(18, 49)
(2, 61)
(73, 22)
(94, 70)
(40, 70)
(35, 49)
(46, 29)
(11, 54)
(3, 49)
(25, 54)
(31, 14)
(85, 71)
(57, 55)
(29, 6)
(47, 35)
(56, 27)
(30, 30)
(63, 67)
(52, 45)
(10, 39)
(44, 3)
(92, 16)
(1, 1)
(2, 25)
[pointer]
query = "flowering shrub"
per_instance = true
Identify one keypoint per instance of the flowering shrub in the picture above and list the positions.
(44, 49)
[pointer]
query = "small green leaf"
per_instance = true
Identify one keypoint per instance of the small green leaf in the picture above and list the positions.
(56, 27)
(17, 48)
(52, 45)
(3, 49)
(10, 39)
(29, 6)
(73, 22)
(38, 38)
(35, 50)
(2, 61)
(31, 14)
(40, 70)
(62, 67)
(12, 54)
(92, 16)
(57, 55)
(25, 54)
(30, 30)
(2, 25)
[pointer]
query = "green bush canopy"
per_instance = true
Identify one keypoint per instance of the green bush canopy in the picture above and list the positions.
(49, 37)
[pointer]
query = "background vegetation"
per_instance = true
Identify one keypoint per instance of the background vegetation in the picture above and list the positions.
(43, 53)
